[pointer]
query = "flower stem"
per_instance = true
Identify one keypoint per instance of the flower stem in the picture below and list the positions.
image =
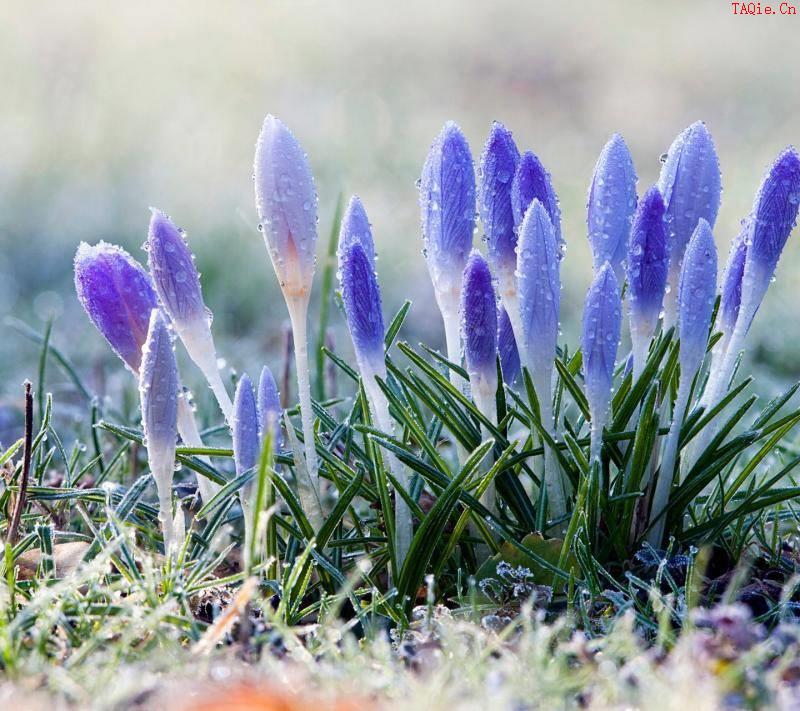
(187, 428)
(403, 525)
(298, 312)
(658, 517)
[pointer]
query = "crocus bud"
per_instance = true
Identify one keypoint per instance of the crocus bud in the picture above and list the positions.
(479, 324)
(286, 200)
(602, 320)
(507, 347)
(690, 186)
(696, 295)
(498, 167)
(355, 227)
(532, 182)
(270, 412)
(647, 266)
(158, 390)
(773, 217)
(177, 284)
(447, 205)
(731, 297)
(246, 446)
(538, 274)
(174, 273)
(361, 294)
(612, 200)
(118, 296)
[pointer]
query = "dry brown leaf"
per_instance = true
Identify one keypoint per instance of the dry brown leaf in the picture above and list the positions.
(66, 556)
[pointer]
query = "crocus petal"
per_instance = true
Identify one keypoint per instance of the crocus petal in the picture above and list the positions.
(696, 296)
(731, 297)
(538, 274)
(498, 167)
(447, 206)
(362, 297)
(158, 388)
(532, 182)
(174, 273)
(270, 413)
(286, 200)
(479, 320)
(118, 296)
(612, 200)
(246, 446)
(355, 227)
(507, 347)
(648, 263)
(690, 185)
(602, 320)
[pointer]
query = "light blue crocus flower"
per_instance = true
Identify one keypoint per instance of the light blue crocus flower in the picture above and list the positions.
(286, 200)
(602, 322)
(696, 296)
(447, 209)
(158, 392)
(177, 283)
(612, 200)
(690, 184)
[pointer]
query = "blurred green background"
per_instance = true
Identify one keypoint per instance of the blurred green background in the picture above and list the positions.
(110, 107)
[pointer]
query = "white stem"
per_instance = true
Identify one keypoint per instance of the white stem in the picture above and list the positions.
(718, 381)
(508, 295)
(640, 347)
(187, 428)
(554, 481)
(452, 335)
(484, 396)
(162, 469)
(667, 469)
(298, 311)
(596, 438)
(200, 346)
(403, 525)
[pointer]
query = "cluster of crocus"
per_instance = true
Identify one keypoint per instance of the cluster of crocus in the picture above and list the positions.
(662, 246)
(504, 308)
(120, 299)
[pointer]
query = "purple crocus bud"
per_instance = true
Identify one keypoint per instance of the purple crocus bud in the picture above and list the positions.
(355, 227)
(174, 273)
(691, 188)
(479, 324)
(731, 297)
(773, 217)
(270, 412)
(498, 167)
(118, 296)
(177, 284)
(447, 205)
(647, 266)
(158, 391)
(362, 297)
(602, 320)
(246, 445)
(507, 347)
(696, 296)
(532, 181)
(690, 185)
(612, 200)
(538, 274)
(286, 200)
